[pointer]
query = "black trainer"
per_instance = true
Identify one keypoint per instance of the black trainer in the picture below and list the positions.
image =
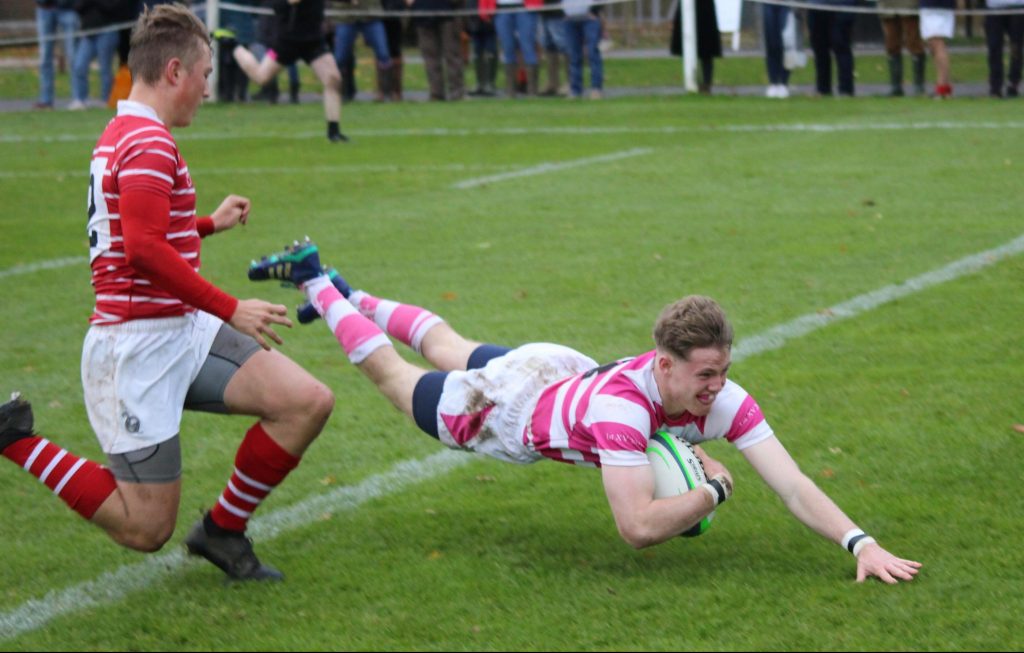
(15, 420)
(295, 265)
(231, 552)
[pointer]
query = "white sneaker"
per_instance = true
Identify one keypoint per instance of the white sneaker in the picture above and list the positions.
(76, 105)
(782, 91)
(772, 91)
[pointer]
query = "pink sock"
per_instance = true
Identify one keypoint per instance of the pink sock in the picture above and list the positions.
(403, 322)
(358, 336)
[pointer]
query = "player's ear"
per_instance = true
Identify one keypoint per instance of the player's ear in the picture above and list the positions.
(663, 361)
(173, 70)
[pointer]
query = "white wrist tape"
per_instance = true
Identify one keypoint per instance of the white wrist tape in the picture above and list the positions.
(855, 539)
(719, 488)
(861, 543)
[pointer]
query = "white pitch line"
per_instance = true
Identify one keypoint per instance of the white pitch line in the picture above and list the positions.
(42, 265)
(115, 585)
(283, 170)
(446, 132)
(551, 167)
(776, 337)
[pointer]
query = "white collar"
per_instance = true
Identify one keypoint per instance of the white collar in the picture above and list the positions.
(133, 108)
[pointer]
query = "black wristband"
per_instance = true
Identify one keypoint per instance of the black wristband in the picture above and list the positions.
(716, 485)
(853, 541)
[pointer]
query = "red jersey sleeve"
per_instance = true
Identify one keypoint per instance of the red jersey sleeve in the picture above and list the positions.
(144, 223)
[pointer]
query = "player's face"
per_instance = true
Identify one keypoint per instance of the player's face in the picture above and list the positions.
(691, 385)
(194, 87)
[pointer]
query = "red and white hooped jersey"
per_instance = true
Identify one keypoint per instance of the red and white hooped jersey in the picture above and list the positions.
(136, 151)
(605, 416)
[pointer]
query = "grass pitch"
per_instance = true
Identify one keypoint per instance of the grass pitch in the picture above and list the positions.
(597, 214)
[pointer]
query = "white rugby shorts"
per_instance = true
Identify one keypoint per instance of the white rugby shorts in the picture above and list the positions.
(937, 23)
(485, 410)
(136, 375)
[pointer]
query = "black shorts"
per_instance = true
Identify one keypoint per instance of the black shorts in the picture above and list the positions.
(309, 50)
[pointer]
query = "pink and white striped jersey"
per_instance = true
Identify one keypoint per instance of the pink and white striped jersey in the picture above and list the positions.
(136, 151)
(606, 415)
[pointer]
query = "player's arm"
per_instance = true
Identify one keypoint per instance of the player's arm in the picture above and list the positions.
(817, 511)
(643, 520)
(145, 220)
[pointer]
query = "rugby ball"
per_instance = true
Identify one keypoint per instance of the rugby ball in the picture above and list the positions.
(677, 470)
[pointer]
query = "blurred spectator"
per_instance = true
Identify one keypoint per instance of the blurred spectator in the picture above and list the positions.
(552, 43)
(123, 77)
(484, 41)
(582, 35)
(1000, 27)
(371, 26)
(441, 47)
(53, 16)
(300, 35)
(831, 32)
(98, 16)
(774, 18)
(516, 25)
(232, 82)
(902, 30)
(937, 25)
(709, 41)
(393, 28)
(266, 35)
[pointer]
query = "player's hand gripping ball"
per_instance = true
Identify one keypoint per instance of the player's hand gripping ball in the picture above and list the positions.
(677, 470)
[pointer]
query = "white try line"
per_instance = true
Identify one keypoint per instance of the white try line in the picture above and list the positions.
(115, 585)
(551, 167)
(449, 132)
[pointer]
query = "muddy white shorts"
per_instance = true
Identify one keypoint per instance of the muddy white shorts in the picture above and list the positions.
(136, 376)
(486, 410)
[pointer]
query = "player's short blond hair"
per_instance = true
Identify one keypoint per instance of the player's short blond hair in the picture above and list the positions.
(693, 322)
(162, 33)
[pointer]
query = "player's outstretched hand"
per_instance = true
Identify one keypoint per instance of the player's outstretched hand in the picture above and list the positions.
(256, 318)
(876, 561)
(232, 210)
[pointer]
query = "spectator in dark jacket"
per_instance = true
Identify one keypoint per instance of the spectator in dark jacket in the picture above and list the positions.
(102, 16)
(440, 44)
(831, 31)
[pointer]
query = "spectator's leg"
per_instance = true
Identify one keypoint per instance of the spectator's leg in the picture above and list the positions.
(994, 45)
(818, 27)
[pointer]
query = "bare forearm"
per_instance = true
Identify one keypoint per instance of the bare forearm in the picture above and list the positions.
(817, 511)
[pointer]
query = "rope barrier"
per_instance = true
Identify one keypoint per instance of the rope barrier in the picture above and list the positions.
(334, 13)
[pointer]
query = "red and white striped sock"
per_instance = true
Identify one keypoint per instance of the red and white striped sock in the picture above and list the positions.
(358, 336)
(260, 465)
(80, 483)
(404, 322)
